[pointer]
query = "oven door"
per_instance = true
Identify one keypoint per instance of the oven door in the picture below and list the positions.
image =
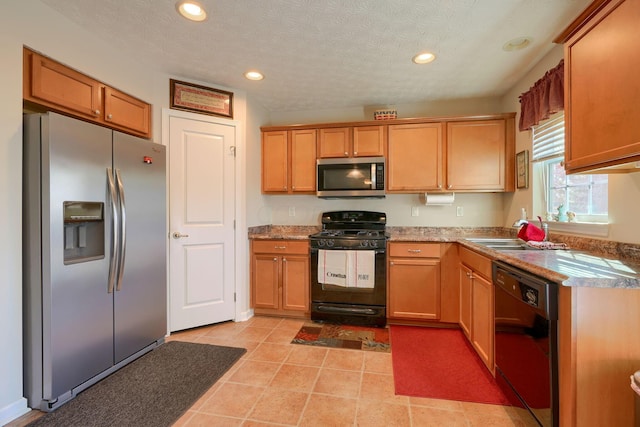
(525, 346)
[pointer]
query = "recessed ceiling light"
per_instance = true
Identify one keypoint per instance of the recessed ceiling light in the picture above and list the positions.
(191, 10)
(254, 75)
(423, 58)
(517, 44)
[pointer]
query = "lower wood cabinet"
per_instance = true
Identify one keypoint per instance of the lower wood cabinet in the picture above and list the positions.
(280, 277)
(598, 351)
(476, 304)
(413, 283)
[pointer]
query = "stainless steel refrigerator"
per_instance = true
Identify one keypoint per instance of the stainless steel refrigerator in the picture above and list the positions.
(94, 241)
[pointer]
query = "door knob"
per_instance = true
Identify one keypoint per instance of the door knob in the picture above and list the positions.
(177, 235)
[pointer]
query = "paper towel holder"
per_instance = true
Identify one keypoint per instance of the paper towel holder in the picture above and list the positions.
(430, 199)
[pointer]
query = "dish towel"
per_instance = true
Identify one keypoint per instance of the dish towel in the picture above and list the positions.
(365, 269)
(333, 267)
(547, 245)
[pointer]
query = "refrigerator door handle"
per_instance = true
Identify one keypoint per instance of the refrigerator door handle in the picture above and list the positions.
(115, 235)
(123, 230)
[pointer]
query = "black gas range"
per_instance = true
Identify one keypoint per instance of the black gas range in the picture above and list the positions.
(348, 268)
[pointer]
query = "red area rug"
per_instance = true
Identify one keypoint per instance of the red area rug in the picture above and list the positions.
(440, 364)
(344, 336)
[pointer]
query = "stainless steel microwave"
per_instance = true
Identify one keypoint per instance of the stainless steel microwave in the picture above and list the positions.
(351, 177)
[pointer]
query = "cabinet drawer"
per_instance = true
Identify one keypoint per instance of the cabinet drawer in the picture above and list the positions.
(414, 250)
(281, 246)
(477, 262)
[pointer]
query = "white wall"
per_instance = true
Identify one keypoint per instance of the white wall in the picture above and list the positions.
(33, 24)
(624, 189)
(479, 209)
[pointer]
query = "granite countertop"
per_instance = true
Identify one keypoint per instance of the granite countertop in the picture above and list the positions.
(587, 262)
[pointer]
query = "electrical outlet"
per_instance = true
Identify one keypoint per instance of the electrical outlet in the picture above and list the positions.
(459, 211)
(415, 211)
(292, 211)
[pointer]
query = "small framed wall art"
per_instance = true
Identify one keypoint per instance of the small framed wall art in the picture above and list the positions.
(200, 99)
(522, 169)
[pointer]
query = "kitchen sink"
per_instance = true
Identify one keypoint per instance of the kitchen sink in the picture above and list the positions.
(501, 244)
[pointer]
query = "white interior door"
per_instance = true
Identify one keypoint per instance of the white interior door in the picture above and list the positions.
(201, 218)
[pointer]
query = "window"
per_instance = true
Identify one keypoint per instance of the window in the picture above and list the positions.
(584, 195)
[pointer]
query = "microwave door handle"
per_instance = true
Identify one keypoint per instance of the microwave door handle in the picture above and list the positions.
(373, 176)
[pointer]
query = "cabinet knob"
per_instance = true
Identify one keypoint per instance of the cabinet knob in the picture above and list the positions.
(284, 260)
(355, 153)
(109, 116)
(346, 153)
(275, 259)
(97, 112)
(449, 186)
(391, 263)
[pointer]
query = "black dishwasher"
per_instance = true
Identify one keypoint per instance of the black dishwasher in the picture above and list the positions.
(526, 340)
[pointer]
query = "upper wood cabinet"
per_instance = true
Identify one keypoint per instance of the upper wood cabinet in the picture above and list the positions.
(126, 112)
(334, 142)
(52, 85)
(466, 153)
(289, 161)
(358, 141)
(414, 163)
(369, 141)
(601, 47)
(478, 156)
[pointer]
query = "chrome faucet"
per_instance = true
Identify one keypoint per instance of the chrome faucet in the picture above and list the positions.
(545, 228)
(520, 223)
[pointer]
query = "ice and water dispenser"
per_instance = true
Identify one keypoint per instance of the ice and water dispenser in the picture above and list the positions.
(83, 231)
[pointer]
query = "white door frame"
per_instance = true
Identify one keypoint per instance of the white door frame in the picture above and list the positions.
(241, 286)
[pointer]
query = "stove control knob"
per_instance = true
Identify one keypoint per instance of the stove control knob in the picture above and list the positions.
(320, 242)
(330, 243)
(364, 243)
(373, 244)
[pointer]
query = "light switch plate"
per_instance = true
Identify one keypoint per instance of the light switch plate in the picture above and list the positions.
(459, 211)
(415, 211)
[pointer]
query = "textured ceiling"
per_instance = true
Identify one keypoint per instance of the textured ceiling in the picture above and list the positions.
(334, 53)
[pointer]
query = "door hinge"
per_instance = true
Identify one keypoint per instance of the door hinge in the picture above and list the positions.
(234, 224)
(232, 149)
(234, 297)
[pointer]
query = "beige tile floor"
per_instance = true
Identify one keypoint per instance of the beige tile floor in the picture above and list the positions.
(277, 383)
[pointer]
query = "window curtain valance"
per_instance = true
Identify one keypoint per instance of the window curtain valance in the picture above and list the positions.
(543, 99)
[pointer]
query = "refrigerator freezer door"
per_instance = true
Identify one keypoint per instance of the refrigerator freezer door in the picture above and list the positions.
(77, 310)
(141, 295)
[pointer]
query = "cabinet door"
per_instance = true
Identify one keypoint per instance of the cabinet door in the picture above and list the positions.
(127, 113)
(55, 85)
(482, 319)
(303, 160)
(274, 161)
(334, 142)
(476, 155)
(601, 90)
(415, 158)
(465, 299)
(295, 283)
(414, 289)
(265, 280)
(369, 141)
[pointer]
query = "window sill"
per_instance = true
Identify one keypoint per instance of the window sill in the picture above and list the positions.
(582, 228)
